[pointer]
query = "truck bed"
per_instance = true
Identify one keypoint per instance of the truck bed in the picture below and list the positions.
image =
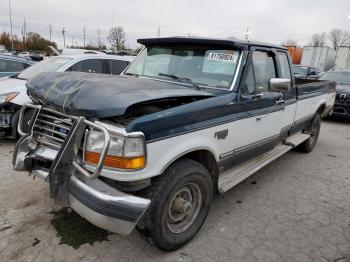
(309, 86)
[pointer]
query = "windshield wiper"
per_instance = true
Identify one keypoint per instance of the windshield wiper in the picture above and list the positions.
(131, 74)
(182, 79)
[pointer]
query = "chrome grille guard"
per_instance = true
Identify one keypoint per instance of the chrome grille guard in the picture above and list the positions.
(52, 134)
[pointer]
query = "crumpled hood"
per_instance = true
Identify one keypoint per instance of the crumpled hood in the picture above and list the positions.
(11, 85)
(101, 96)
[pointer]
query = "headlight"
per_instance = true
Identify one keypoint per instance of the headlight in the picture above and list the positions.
(4, 98)
(123, 152)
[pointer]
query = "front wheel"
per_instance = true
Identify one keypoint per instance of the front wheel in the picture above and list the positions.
(314, 131)
(181, 199)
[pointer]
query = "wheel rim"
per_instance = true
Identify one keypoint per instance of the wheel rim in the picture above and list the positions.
(184, 208)
(313, 132)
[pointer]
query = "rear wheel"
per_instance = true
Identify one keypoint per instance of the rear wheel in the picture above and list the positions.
(181, 199)
(314, 131)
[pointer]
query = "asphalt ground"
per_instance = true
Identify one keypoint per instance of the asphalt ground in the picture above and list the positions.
(295, 209)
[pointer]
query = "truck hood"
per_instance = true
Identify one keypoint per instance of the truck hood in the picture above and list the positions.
(11, 85)
(101, 96)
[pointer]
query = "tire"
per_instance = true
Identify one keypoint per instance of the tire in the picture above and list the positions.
(314, 131)
(171, 222)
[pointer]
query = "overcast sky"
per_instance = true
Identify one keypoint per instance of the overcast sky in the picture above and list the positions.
(268, 20)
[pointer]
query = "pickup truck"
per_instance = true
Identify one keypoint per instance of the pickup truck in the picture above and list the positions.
(190, 117)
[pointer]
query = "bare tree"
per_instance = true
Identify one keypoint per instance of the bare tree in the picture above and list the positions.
(318, 39)
(339, 38)
(290, 42)
(117, 37)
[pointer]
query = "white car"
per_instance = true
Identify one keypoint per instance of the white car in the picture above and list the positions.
(24, 54)
(13, 92)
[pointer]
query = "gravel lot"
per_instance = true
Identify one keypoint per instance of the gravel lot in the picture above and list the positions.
(295, 209)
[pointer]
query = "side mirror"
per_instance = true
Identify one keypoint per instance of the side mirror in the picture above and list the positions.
(279, 84)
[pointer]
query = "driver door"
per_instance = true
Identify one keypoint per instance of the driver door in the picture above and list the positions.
(266, 110)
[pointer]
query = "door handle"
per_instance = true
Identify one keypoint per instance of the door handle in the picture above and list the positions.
(258, 118)
(280, 102)
(258, 96)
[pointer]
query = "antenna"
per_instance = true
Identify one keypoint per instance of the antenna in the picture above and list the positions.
(247, 34)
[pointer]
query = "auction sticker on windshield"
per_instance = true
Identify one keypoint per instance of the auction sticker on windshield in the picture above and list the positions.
(224, 57)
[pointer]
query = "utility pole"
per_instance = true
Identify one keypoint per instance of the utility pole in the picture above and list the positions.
(84, 33)
(50, 29)
(113, 18)
(64, 37)
(24, 32)
(11, 25)
(72, 41)
(99, 38)
(158, 32)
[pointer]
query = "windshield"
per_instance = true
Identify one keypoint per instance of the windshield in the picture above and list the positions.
(203, 65)
(300, 70)
(50, 65)
(342, 78)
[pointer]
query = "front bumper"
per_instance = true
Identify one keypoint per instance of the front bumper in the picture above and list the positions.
(93, 199)
(105, 206)
(341, 109)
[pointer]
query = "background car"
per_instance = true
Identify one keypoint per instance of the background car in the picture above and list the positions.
(24, 54)
(306, 72)
(342, 99)
(13, 92)
(12, 65)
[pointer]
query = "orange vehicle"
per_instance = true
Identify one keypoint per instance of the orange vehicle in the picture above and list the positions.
(295, 53)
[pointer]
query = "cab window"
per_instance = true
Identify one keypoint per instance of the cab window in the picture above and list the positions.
(261, 70)
(264, 70)
(88, 66)
(285, 70)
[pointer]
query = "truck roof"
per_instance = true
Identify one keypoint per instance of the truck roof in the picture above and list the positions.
(203, 40)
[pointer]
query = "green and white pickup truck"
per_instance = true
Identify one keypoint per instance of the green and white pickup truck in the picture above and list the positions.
(189, 118)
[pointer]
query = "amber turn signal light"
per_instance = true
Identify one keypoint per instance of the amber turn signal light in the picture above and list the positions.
(116, 161)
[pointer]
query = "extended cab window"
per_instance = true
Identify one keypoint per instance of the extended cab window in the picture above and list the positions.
(211, 66)
(118, 66)
(88, 66)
